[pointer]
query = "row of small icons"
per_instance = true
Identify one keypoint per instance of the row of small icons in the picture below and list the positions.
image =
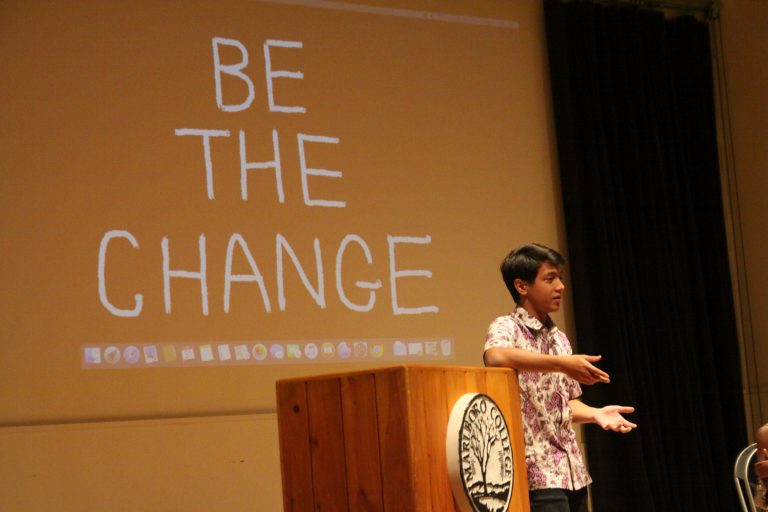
(241, 352)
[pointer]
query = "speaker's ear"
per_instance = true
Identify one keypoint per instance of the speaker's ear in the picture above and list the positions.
(521, 286)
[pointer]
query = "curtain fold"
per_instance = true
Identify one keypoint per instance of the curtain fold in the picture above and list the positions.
(635, 124)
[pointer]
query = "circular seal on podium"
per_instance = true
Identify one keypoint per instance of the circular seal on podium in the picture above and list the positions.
(479, 455)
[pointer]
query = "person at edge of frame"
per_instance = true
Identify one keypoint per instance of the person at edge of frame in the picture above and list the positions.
(761, 468)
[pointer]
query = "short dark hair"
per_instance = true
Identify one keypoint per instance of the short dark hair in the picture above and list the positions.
(524, 262)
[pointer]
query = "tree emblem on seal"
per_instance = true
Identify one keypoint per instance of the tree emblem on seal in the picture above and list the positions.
(479, 455)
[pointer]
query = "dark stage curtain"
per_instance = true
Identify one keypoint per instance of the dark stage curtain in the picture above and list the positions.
(635, 123)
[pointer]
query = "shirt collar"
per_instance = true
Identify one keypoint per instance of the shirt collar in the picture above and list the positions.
(532, 322)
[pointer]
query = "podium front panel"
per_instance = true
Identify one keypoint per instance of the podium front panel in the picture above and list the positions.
(375, 440)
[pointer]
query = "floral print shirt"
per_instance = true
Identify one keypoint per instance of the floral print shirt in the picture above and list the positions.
(552, 455)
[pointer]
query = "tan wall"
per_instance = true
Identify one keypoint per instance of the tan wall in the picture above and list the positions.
(743, 30)
(214, 463)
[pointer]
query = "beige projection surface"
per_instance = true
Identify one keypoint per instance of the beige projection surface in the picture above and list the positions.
(195, 183)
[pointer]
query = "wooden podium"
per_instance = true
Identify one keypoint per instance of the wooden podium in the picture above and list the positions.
(375, 440)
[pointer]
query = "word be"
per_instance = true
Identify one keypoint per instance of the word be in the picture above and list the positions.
(235, 70)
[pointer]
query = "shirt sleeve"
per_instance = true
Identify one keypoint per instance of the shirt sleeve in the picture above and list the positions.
(574, 389)
(501, 333)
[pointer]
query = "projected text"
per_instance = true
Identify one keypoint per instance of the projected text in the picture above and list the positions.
(235, 92)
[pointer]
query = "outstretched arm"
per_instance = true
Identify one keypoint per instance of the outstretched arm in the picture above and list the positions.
(608, 417)
(578, 366)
